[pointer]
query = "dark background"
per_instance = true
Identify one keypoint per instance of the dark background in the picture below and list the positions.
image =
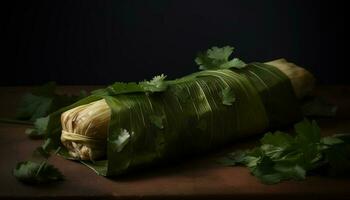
(99, 42)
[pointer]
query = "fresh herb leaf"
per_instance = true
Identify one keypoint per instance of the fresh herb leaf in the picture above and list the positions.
(37, 173)
(218, 58)
(157, 84)
(33, 106)
(228, 97)
(234, 63)
(278, 139)
(307, 132)
(265, 172)
(120, 140)
(283, 157)
(39, 129)
(42, 101)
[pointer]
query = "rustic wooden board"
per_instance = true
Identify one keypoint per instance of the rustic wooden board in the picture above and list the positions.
(198, 178)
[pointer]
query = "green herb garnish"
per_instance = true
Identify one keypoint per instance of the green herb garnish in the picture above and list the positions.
(283, 157)
(39, 129)
(42, 101)
(218, 58)
(37, 172)
(157, 84)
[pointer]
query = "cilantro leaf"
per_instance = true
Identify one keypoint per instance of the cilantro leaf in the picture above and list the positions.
(283, 157)
(157, 84)
(278, 139)
(228, 97)
(120, 140)
(33, 106)
(37, 173)
(218, 58)
(307, 132)
(42, 101)
(290, 170)
(272, 151)
(265, 172)
(39, 129)
(235, 63)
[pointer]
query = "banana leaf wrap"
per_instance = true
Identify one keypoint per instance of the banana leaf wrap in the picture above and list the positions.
(189, 117)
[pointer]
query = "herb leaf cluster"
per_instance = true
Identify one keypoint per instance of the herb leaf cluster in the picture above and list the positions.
(284, 157)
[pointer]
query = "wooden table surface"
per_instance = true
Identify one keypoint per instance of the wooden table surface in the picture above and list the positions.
(198, 178)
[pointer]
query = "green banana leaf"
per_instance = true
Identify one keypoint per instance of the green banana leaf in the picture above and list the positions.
(193, 115)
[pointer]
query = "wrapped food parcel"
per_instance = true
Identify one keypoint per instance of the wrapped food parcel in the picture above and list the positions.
(128, 126)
